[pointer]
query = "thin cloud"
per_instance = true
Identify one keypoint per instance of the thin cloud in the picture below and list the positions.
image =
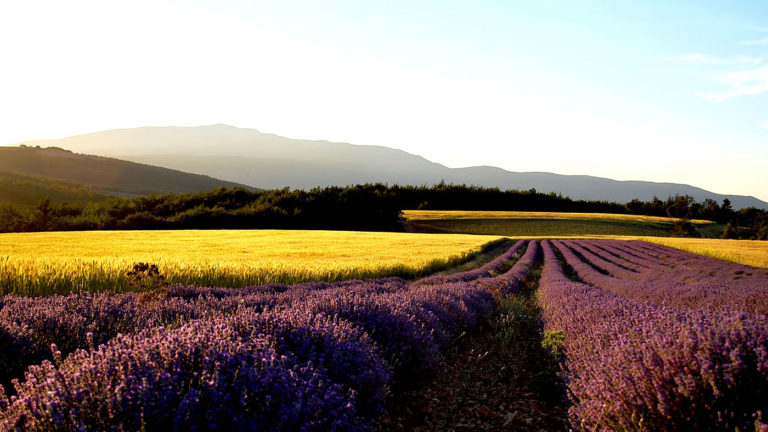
(742, 83)
(693, 57)
(756, 42)
(716, 60)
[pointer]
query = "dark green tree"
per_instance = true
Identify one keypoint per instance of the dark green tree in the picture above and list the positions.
(731, 231)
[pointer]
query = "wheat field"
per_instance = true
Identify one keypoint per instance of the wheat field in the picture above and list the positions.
(61, 262)
(475, 214)
(546, 224)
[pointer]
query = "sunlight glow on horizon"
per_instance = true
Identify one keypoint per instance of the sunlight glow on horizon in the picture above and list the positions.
(636, 92)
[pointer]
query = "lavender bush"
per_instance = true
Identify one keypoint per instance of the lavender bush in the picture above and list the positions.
(203, 375)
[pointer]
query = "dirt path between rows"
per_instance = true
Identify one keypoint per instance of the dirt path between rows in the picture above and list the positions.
(498, 378)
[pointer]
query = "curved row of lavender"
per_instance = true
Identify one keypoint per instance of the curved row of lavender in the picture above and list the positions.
(641, 365)
(683, 266)
(490, 269)
(652, 273)
(510, 282)
(315, 356)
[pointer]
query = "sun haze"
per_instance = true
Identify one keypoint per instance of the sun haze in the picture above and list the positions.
(653, 90)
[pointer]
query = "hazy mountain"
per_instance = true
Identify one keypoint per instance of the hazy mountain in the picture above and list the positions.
(55, 168)
(270, 161)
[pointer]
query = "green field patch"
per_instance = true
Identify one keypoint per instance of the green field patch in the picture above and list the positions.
(542, 227)
(545, 224)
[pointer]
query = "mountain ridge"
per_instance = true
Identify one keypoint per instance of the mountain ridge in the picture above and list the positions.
(270, 161)
(100, 174)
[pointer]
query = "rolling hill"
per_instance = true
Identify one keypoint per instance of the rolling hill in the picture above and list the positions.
(75, 177)
(28, 190)
(269, 161)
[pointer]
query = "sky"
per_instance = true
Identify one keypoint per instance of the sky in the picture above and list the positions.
(631, 90)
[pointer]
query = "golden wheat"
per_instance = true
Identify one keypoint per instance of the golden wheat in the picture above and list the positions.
(60, 262)
(412, 215)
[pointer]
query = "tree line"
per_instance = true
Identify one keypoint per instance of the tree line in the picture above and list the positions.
(366, 207)
(362, 207)
(747, 223)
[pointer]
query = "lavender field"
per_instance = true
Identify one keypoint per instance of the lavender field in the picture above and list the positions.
(657, 339)
(651, 338)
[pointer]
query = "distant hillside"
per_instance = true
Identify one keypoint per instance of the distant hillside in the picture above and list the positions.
(56, 170)
(28, 190)
(270, 161)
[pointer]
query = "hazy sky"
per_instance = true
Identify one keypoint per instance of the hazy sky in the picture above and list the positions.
(647, 90)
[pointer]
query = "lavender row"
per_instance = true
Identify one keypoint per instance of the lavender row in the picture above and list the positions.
(708, 283)
(614, 268)
(489, 269)
(28, 326)
(590, 274)
(645, 281)
(629, 256)
(204, 375)
(641, 366)
(232, 361)
(650, 259)
(313, 378)
(688, 266)
(739, 286)
(511, 281)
